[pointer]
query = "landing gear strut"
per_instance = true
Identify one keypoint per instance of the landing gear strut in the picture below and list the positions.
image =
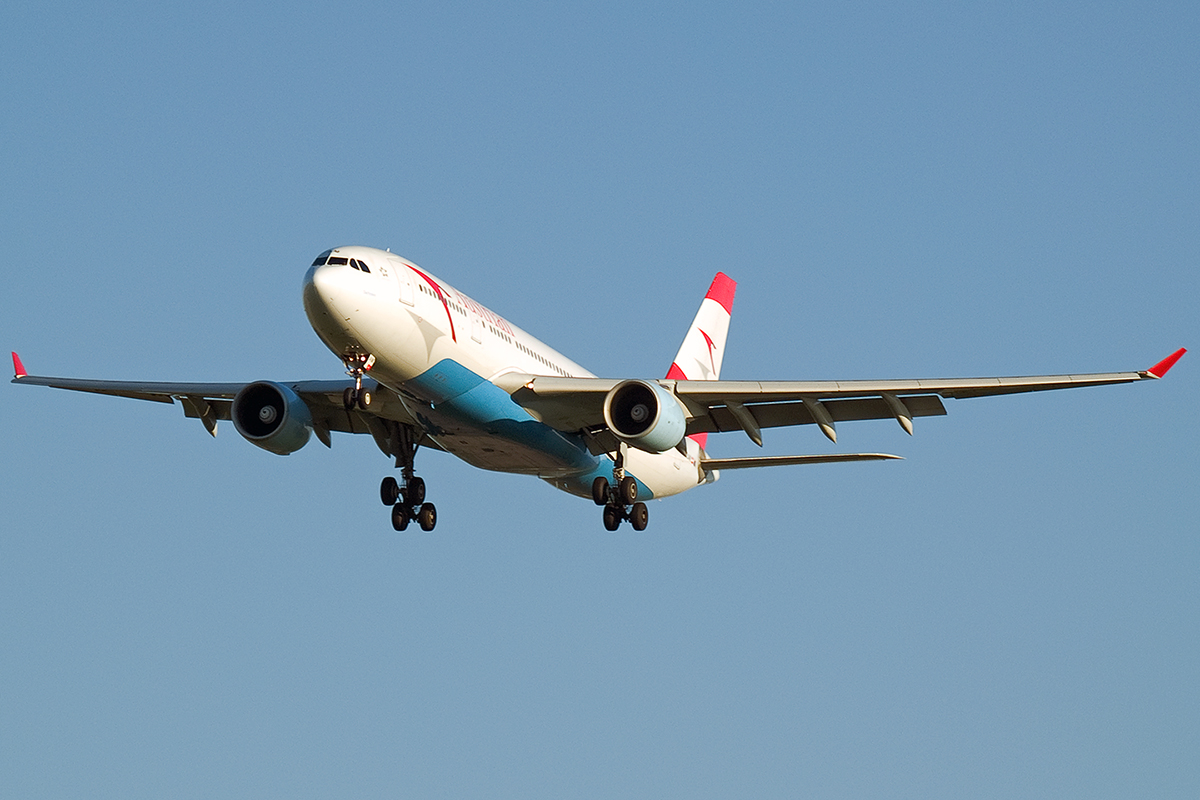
(620, 498)
(407, 500)
(357, 365)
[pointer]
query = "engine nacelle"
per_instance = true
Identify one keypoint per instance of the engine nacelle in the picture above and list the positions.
(645, 415)
(272, 416)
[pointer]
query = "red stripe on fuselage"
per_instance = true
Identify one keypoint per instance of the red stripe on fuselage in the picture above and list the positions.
(440, 296)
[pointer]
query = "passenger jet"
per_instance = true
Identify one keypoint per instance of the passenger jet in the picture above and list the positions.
(430, 367)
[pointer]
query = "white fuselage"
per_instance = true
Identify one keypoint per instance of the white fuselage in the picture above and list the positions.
(442, 352)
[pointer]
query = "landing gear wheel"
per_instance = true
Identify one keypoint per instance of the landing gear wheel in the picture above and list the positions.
(400, 517)
(406, 494)
(600, 490)
(612, 518)
(427, 517)
(357, 365)
(389, 491)
(639, 516)
(627, 490)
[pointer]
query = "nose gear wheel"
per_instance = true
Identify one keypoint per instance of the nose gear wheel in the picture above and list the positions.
(357, 365)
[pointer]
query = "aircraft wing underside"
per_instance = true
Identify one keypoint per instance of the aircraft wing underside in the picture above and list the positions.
(211, 402)
(572, 404)
(577, 404)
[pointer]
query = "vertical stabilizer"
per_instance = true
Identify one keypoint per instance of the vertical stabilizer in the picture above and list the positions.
(699, 357)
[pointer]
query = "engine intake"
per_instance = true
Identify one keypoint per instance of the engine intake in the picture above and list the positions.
(272, 416)
(645, 415)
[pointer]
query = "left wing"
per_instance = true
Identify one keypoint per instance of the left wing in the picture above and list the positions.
(788, 461)
(572, 404)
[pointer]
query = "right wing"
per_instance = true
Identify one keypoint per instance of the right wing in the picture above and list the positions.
(211, 402)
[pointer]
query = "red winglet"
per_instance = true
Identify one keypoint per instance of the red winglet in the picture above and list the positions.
(722, 290)
(18, 367)
(1160, 369)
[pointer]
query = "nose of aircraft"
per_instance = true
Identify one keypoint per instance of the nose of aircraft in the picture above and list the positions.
(323, 285)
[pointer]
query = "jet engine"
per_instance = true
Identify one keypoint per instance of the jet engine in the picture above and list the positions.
(272, 416)
(645, 415)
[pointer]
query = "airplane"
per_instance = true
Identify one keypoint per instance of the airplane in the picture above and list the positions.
(430, 367)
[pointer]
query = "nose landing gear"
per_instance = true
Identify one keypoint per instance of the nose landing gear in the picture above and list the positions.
(357, 365)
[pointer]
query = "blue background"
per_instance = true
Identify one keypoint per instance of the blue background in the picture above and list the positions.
(901, 190)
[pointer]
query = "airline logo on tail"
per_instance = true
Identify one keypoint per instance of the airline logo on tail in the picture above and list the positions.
(700, 355)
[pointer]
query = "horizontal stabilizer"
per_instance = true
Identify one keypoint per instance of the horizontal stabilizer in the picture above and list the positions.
(787, 461)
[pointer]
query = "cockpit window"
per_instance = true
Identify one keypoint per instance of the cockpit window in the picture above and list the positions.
(340, 261)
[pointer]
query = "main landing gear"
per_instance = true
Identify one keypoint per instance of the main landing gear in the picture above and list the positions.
(408, 503)
(357, 365)
(620, 499)
(407, 500)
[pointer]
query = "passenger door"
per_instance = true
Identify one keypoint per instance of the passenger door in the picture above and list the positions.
(404, 281)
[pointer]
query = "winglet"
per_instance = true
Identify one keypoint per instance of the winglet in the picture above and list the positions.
(1157, 371)
(18, 367)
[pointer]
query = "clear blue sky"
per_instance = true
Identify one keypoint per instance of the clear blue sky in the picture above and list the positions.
(933, 190)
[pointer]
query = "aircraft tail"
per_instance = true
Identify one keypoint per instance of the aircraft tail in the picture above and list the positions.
(699, 357)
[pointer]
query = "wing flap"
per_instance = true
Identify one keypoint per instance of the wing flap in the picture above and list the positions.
(720, 419)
